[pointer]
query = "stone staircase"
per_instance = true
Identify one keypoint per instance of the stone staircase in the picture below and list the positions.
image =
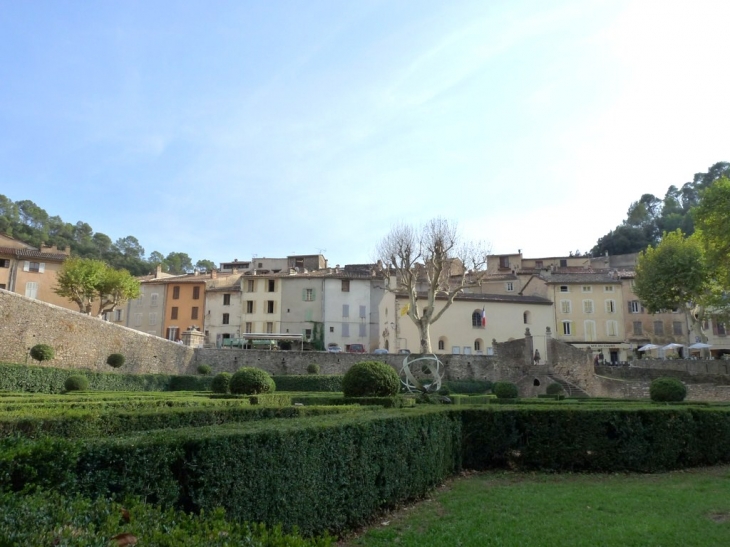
(571, 390)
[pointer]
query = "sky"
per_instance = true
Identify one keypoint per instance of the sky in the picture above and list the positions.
(234, 129)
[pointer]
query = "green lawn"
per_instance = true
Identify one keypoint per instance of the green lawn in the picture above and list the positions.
(683, 508)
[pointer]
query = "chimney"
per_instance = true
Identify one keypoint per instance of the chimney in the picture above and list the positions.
(214, 274)
(158, 272)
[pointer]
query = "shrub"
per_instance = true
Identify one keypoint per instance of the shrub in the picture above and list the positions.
(221, 382)
(554, 389)
(251, 381)
(667, 389)
(42, 352)
(76, 382)
(115, 360)
(505, 390)
(204, 369)
(371, 379)
(313, 368)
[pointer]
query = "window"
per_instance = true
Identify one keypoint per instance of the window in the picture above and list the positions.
(194, 313)
(476, 319)
(565, 306)
(332, 329)
(526, 317)
(504, 262)
(173, 313)
(564, 288)
(34, 267)
(269, 328)
(362, 330)
(196, 293)
(538, 263)
(176, 292)
(677, 328)
(269, 306)
(271, 285)
(308, 334)
(345, 285)
(634, 306)
(260, 265)
(345, 329)
(308, 295)
(31, 289)
(610, 306)
(153, 299)
(608, 288)
(567, 328)
(455, 350)
(363, 312)
(3, 286)
(345, 310)
(612, 328)
(590, 330)
(467, 350)
(587, 306)
(586, 288)
(477, 345)
(226, 299)
(721, 331)
(249, 327)
(442, 345)
(637, 327)
(509, 286)
(137, 319)
(117, 315)
(249, 306)
(659, 328)
(4, 263)
(563, 263)
(226, 318)
(250, 285)
(153, 318)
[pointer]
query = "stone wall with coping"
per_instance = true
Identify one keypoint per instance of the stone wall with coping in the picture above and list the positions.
(83, 342)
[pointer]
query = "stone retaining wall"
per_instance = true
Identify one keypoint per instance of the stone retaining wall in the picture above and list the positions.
(81, 341)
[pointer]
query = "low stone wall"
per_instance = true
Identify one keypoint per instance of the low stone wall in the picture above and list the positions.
(81, 341)
(691, 366)
(639, 389)
(633, 373)
(456, 367)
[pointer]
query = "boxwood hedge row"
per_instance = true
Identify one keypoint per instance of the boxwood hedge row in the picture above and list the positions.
(309, 382)
(318, 474)
(51, 380)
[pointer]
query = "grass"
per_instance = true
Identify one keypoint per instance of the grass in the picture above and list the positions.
(683, 508)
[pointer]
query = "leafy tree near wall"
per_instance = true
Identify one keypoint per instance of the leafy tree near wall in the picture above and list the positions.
(84, 280)
(673, 274)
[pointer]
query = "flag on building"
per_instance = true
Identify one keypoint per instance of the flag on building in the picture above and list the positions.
(484, 317)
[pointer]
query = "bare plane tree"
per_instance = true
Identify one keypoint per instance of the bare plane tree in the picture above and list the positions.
(429, 263)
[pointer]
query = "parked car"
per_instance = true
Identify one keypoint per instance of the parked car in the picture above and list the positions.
(404, 351)
(334, 349)
(380, 351)
(356, 348)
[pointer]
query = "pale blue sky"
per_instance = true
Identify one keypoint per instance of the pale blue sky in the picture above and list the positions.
(226, 129)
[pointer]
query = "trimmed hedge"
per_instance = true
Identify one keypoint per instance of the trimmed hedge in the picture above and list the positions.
(371, 379)
(468, 387)
(309, 382)
(667, 390)
(48, 518)
(220, 382)
(251, 381)
(325, 473)
(39, 379)
(115, 360)
(76, 382)
(42, 352)
(505, 390)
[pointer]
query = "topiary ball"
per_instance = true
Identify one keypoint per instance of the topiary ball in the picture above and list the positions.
(554, 389)
(505, 390)
(220, 382)
(76, 382)
(42, 352)
(204, 369)
(251, 381)
(371, 379)
(115, 360)
(666, 390)
(313, 368)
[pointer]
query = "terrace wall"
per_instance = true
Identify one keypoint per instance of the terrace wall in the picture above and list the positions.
(81, 341)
